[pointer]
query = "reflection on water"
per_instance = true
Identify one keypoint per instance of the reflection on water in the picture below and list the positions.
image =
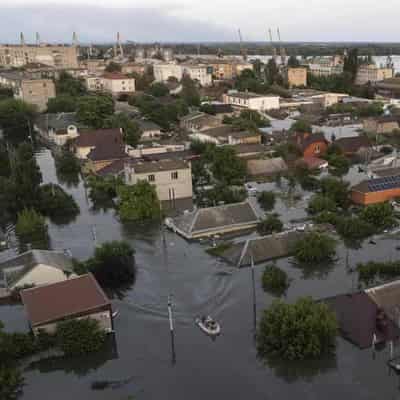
(198, 284)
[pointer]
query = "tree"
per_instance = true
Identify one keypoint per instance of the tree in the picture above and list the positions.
(272, 72)
(380, 216)
(93, 110)
(57, 204)
(351, 64)
(354, 228)
(221, 194)
(293, 62)
(189, 92)
(113, 264)
(338, 165)
(227, 167)
(158, 89)
(274, 280)
(299, 331)
(301, 126)
(5, 167)
(113, 67)
(31, 230)
(103, 191)
(11, 382)
(314, 248)
(78, 337)
(249, 120)
(336, 190)
(67, 163)
(17, 119)
(138, 202)
(267, 200)
(6, 93)
(130, 128)
(61, 103)
(320, 203)
(271, 224)
(66, 84)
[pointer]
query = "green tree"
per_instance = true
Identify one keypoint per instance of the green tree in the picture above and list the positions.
(113, 67)
(158, 89)
(6, 93)
(338, 165)
(351, 64)
(301, 126)
(270, 224)
(113, 264)
(11, 382)
(78, 337)
(354, 228)
(336, 190)
(93, 110)
(103, 190)
(275, 280)
(130, 128)
(66, 84)
(272, 73)
(320, 203)
(300, 331)
(227, 167)
(31, 229)
(138, 202)
(57, 204)
(380, 216)
(267, 200)
(17, 119)
(314, 248)
(5, 167)
(61, 103)
(67, 163)
(189, 92)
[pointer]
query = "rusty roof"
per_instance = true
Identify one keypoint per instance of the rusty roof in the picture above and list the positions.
(76, 296)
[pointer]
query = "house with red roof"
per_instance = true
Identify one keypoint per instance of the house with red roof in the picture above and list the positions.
(310, 144)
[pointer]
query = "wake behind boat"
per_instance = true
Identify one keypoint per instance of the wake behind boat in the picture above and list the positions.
(209, 326)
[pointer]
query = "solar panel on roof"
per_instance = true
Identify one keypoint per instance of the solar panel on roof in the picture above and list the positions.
(385, 183)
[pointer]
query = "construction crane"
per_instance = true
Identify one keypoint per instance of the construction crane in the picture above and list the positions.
(243, 51)
(274, 54)
(281, 49)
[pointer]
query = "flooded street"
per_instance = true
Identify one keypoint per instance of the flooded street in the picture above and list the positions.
(140, 364)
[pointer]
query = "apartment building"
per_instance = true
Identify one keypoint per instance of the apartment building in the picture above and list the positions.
(372, 73)
(171, 178)
(25, 87)
(325, 70)
(198, 72)
(56, 56)
(114, 83)
(228, 69)
(252, 101)
(296, 77)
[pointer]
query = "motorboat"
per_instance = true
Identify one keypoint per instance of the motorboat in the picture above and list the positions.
(209, 326)
(372, 242)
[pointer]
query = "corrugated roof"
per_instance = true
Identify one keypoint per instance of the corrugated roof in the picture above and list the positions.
(268, 166)
(65, 299)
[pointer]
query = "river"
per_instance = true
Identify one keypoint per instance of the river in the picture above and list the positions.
(141, 364)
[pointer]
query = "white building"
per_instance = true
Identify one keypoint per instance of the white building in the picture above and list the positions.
(198, 72)
(252, 101)
(372, 73)
(114, 83)
(171, 178)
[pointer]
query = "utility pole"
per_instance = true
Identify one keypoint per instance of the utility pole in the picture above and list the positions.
(254, 295)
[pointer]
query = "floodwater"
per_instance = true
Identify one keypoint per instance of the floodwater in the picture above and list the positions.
(141, 363)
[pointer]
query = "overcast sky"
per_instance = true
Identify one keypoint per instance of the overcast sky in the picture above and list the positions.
(200, 20)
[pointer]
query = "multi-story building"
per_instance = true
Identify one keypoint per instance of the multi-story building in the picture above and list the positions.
(296, 77)
(171, 178)
(57, 56)
(114, 83)
(325, 70)
(198, 72)
(228, 69)
(25, 87)
(252, 101)
(372, 73)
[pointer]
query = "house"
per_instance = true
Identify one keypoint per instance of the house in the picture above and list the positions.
(252, 101)
(35, 267)
(58, 128)
(266, 167)
(199, 121)
(206, 222)
(376, 190)
(77, 298)
(310, 144)
(160, 147)
(389, 88)
(313, 163)
(171, 178)
(360, 319)
(26, 87)
(372, 73)
(150, 130)
(296, 77)
(350, 146)
(225, 134)
(387, 297)
(381, 125)
(99, 147)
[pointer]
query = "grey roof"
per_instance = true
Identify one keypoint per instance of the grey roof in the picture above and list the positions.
(148, 125)
(249, 95)
(213, 218)
(266, 167)
(57, 121)
(157, 166)
(13, 269)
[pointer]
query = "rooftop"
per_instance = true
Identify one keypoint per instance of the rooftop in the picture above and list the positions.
(249, 95)
(145, 167)
(378, 184)
(352, 144)
(115, 75)
(59, 121)
(76, 296)
(268, 166)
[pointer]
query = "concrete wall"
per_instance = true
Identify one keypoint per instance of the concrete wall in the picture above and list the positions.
(296, 77)
(117, 86)
(37, 92)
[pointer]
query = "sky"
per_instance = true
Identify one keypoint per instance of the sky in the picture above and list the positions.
(200, 20)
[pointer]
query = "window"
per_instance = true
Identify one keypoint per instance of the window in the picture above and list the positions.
(174, 175)
(317, 149)
(151, 178)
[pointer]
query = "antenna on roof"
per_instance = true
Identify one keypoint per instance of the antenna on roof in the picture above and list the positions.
(22, 39)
